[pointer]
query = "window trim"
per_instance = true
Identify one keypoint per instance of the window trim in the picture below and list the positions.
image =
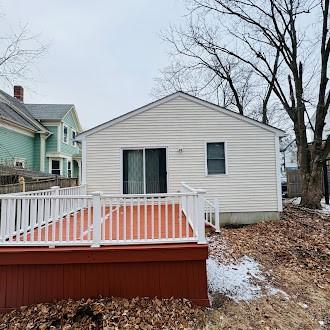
(67, 170)
(142, 147)
(74, 143)
(226, 158)
(20, 160)
(67, 137)
(51, 165)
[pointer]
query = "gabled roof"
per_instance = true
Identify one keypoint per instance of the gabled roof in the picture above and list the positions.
(170, 97)
(15, 111)
(49, 111)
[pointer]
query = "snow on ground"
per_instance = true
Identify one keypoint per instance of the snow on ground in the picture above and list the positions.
(239, 281)
(325, 208)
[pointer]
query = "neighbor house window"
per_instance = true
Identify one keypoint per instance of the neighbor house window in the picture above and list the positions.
(65, 134)
(216, 162)
(69, 169)
(73, 138)
(19, 163)
(56, 167)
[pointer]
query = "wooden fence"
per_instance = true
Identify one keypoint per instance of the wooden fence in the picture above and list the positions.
(39, 185)
(294, 182)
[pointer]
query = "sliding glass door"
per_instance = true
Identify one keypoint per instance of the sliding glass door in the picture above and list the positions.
(144, 171)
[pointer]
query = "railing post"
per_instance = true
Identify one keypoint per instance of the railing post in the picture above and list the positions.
(96, 218)
(55, 192)
(200, 206)
(217, 215)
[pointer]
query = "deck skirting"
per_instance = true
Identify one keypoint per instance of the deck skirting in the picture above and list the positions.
(35, 275)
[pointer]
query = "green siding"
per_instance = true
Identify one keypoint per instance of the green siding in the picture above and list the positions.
(69, 120)
(36, 153)
(14, 144)
(68, 148)
(51, 142)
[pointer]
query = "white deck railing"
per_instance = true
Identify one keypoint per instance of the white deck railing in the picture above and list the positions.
(212, 214)
(70, 217)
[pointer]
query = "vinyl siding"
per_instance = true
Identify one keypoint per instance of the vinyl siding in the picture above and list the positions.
(51, 142)
(250, 183)
(67, 148)
(36, 154)
(16, 145)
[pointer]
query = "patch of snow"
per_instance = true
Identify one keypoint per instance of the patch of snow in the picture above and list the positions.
(239, 281)
(325, 207)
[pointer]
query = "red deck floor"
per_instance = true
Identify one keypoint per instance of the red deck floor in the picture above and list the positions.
(120, 224)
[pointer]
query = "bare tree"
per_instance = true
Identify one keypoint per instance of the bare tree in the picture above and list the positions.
(286, 44)
(199, 68)
(18, 53)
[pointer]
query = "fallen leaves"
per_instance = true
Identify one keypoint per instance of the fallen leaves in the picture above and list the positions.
(294, 254)
(107, 313)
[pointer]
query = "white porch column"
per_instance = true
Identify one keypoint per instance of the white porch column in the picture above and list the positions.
(42, 151)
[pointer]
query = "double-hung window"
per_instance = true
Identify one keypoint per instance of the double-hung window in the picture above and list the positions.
(73, 138)
(56, 167)
(216, 158)
(69, 169)
(65, 134)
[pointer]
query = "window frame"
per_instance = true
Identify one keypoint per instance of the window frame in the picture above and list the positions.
(20, 160)
(74, 143)
(51, 166)
(69, 162)
(226, 158)
(67, 134)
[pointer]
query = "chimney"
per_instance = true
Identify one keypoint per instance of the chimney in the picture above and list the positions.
(19, 93)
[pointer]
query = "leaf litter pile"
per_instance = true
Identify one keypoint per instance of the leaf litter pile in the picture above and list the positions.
(294, 257)
(107, 313)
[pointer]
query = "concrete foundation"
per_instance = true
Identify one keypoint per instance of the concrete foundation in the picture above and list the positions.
(240, 218)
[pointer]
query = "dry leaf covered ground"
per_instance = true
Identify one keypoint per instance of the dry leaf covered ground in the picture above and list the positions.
(109, 313)
(293, 256)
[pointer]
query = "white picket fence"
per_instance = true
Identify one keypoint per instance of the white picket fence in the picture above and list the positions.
(68, 216)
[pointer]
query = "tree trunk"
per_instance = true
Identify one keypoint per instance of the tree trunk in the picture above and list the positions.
(311, 193)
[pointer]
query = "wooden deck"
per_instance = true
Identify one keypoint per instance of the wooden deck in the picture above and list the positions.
(118, 224)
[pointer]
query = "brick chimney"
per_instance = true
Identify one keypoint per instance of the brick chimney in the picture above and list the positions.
(19, 93)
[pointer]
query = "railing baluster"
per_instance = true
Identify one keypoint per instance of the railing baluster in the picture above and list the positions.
(145, 218)
(3, 221)
(173, 218)
(117, 219)
(180, 218)
(18, 219)
(110, 220)
(82, 221)
(159, 218)
(138, 219)
(166, 218)
(131, 214)
(152, 218)
(124, 224)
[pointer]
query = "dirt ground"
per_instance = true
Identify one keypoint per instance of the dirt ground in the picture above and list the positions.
(294, 254)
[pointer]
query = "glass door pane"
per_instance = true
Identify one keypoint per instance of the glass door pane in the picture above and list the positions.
(155, 168)
(133, 176)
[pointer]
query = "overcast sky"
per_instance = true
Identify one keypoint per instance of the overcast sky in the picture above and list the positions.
(103, 54)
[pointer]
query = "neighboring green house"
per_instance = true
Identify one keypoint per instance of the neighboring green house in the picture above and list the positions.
(39, 136)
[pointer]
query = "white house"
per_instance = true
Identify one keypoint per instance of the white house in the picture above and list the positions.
(181, 138)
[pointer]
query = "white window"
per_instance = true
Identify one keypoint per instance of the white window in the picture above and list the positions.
(216, 158)
(19, 162)
(56, 167)
(65, 134)
(74, 143)
(69, 169)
